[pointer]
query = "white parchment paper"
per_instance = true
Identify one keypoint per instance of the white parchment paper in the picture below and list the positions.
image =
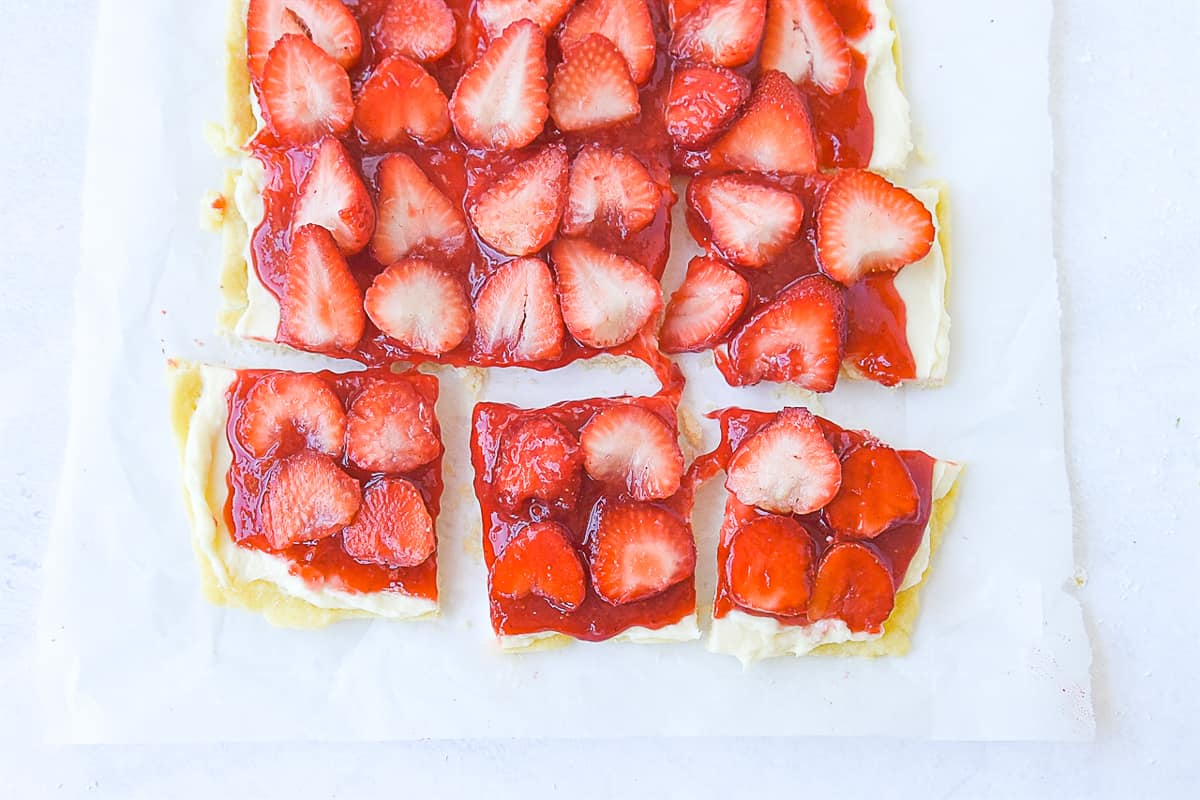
(130, 652)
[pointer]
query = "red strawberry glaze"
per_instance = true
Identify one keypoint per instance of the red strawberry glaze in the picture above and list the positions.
(324, 563)
(896, 546)
(594, 619)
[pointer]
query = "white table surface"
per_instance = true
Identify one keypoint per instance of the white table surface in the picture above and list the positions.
(1125, 105)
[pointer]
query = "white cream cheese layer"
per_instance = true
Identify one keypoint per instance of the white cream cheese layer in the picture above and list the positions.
(207, 459)
(685, 630)
(922, 287)
(751, 637)
(889, 107)
(260, 319)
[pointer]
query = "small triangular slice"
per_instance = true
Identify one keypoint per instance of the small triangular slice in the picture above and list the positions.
(321, 307)
(775, 134)
(412, 214)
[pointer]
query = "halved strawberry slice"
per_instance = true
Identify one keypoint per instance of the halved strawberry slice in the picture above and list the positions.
(634, 449)
(701, 102)
(519, 213)
(422, 30)
(538, 459)
(390, 428)
(517, 318)
(774, 135)
(625, 23)
(328, 23)
(770, 566)
(610, 187)
(799, 337)
(787, 466)
(678, 9)
(401, 101)
(393, 527)
(854, 585)
(419, 306)
(637, 550)
(540, 560)
(704, 308)
(877, 492)
(321, 307)
(501, 102)
(749, 223)
(803, 40)
(333, 196)
(592, 88)
(724, 33)
(307, 497)
(868, 224)
(412, 213)
(305, 94)
(498, 15)
(288, 411)
(606, 298)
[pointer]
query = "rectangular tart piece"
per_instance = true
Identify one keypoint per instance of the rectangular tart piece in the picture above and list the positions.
(586, 530)
(312, 497)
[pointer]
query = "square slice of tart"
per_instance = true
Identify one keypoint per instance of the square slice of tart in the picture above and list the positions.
(312, 497)
(586, 530)
(826, 537)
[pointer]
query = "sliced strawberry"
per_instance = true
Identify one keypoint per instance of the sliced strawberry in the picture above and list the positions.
(333, 196)
(678, 9)
(540, 560)
(724, 33)
(289, 411)
(393, 527)
(770, 566)
(877, 492)
(422, 30)
(419, 306)
(412, 213)
(638, 550)
(401, 101)
(803, 40)
(625, 23)
(787, 466)
(705, 307)
(517, 318)
(774, 135)
(390, 428)
(749, 223)
(328, 23)
(501, 102)
(868, 224)
(538, 459)
(633, 448)
(305, 94)
(307, 497)
(321, 307)
(610, 187)
(854, 585)
(519, 213)
(498, 15)
(606, 298)
(592, 88)
(799, 337)
(702, 101)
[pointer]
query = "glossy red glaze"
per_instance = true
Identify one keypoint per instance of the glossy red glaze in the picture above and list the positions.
(324, 563)
(896, 546)
(878, 338)
(595, 619)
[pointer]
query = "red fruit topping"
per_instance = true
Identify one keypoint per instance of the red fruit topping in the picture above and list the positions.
(391, 428)
(637, 551)
(498, 15)
(678, 9)
(749, 223)
(625, 23)
(770, 566)
(868, 224)
(774, 135)
(333, 196)
(393, 527)
(724, 33)
(540, 560)
(420, 306)
(307, 497)
(538, 459)
(854, 585)
(305, 94)
(610, 187)
(592, 88)
(328, 23)
(702, 101)
(321, 307)
(606, 298)
(633, 448)
(787, 466)
(877, 492)
(500, 103)
(517, 318)
(401, 101)
(288, 411)
(705, 307)
(519, 213)
(803, 40)
(422, 30)
(412, 213)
